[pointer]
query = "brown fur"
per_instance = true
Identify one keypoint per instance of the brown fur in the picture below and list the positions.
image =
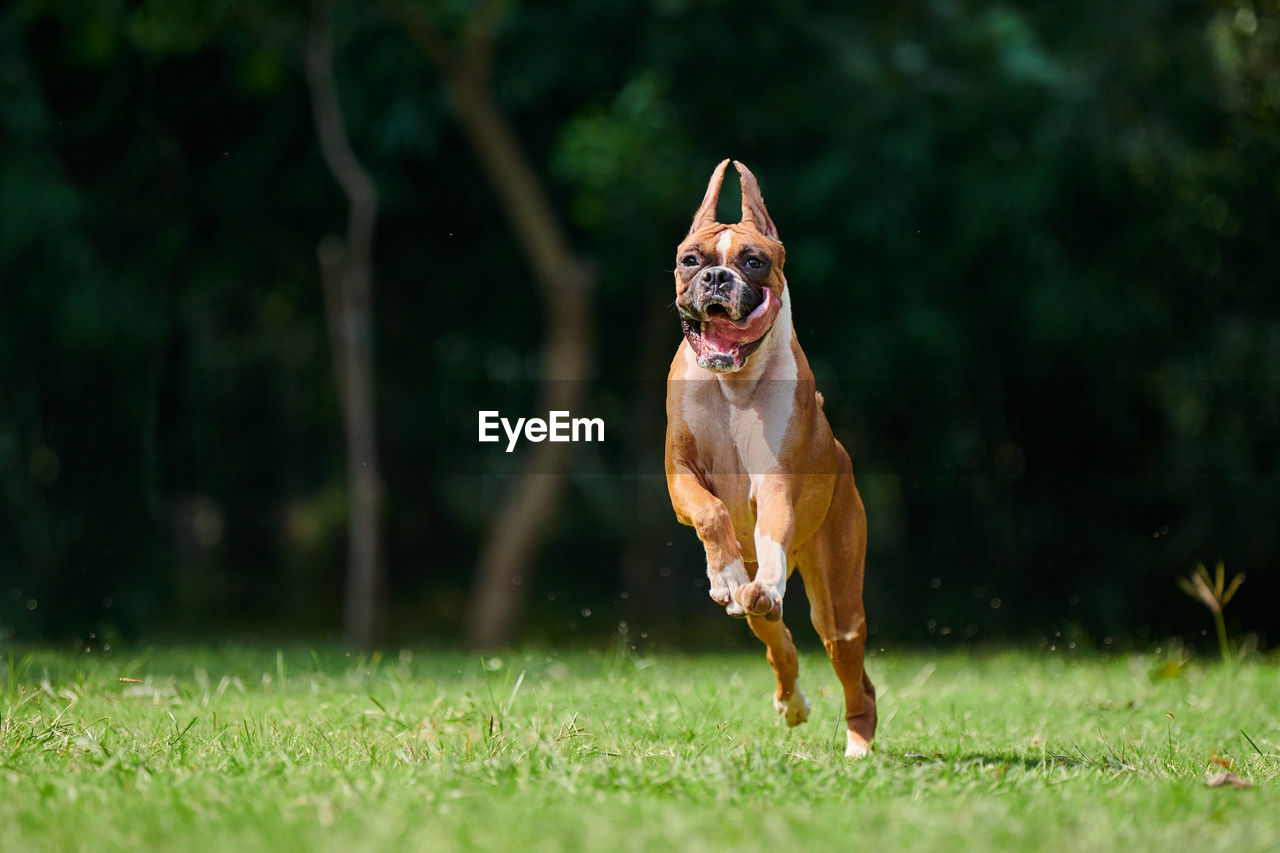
(806, 500)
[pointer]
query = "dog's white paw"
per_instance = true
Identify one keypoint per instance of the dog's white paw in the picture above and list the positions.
(855, 746)
(795, 709)
(761, 599)
(725, 584)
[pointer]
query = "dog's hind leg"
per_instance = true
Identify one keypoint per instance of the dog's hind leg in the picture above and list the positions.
(788, 700)
(832, 567)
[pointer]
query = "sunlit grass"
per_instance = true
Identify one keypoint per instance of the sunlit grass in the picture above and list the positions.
(256, 749)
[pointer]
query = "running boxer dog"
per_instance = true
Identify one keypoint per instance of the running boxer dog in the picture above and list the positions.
(751, 462)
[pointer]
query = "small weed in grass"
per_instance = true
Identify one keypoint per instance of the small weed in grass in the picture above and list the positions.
(1211, 593)
(265, 749)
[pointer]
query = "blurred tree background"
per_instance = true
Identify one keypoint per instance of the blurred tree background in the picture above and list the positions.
(1032, 255)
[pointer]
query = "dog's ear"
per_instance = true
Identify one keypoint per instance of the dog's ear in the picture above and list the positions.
(754, 212)
(706, 214)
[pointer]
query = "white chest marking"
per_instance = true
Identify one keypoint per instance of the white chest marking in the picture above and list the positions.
(759, 426)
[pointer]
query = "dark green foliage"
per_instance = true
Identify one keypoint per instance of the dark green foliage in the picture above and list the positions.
(1031, 254)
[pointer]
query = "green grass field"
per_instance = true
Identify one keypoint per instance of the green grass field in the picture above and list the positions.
(253, 749)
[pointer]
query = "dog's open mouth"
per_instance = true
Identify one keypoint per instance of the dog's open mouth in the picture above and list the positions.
(723, 344)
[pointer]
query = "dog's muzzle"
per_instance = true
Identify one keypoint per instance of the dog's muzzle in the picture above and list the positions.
(720, 327)
(719, 290)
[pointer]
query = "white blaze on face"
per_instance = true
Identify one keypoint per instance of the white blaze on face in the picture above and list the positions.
(723, 244)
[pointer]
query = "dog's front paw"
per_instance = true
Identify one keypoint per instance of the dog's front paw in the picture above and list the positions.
(760, 599)
(725, 584)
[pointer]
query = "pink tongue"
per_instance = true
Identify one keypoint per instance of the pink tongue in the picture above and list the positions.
(722, 333)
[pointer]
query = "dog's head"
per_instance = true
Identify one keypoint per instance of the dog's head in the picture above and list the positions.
(729, 281)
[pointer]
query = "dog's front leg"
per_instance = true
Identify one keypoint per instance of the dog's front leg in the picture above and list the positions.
(775, 526)
(707, 514)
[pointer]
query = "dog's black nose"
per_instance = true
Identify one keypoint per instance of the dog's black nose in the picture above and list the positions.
(717, 284)
(716, 275)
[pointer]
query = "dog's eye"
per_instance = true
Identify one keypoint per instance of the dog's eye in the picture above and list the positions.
(755, 263)
(689, 260)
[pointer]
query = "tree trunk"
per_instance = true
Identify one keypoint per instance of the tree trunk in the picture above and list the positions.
(565, 284)
(347, 276)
